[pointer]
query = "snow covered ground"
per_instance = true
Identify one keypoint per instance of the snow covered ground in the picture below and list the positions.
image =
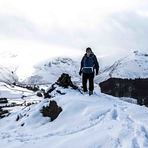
(86, 122)
(98, 121)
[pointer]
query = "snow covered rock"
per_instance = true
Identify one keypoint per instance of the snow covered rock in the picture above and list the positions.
(52, 110)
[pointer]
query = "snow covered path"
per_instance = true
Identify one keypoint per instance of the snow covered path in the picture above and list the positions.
(85, 122)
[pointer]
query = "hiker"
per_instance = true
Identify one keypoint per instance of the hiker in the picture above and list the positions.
(89, 67)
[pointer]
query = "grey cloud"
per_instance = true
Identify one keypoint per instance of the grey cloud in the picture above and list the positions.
(119, 31)
(128, 31)
(124, 30)
(13, 26)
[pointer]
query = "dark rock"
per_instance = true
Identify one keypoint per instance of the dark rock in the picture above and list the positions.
(61, 93)
(3, 100)
(42, 90)
(47, 95)
(146, 102)
(17, 118)
(23, 96)
(29, 87)
(52, 111)
(134, 88)
(65, 81)
(3, 113)
(22, 124)
(33, 87)
(39, 94)
(52, 88)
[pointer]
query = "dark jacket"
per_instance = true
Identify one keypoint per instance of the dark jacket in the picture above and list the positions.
(89, 64)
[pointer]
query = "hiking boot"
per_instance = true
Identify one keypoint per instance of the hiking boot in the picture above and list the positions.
(85, 92)
(90, 93)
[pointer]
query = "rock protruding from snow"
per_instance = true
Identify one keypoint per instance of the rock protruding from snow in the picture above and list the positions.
(52, 110)
(65, 81)
(136, 88)
(3, 100)
(58, 87)
(3, 113)
(31, 87)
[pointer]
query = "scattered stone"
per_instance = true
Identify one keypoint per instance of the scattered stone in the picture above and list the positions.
(3, 100)
(52, 88)
(61, 93)
(3, 113)
(22, 124)
(18, 117)
(39, 94)
(47, 95)
(33, 87)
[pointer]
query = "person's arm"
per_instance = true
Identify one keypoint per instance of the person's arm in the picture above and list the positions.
(96, 65)
(81, 66)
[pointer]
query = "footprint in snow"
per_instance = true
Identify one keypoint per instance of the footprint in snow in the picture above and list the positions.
(135, 143)
(114, 114)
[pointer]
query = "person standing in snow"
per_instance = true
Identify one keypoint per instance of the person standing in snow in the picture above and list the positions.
(89, 67)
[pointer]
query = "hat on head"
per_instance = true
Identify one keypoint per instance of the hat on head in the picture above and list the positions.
(88, 49)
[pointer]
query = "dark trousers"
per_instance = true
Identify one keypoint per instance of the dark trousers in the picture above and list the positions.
(85, 78)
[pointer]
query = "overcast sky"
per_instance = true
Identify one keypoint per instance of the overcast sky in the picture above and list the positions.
(108, 26)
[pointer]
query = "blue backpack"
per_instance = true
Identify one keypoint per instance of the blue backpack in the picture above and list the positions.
(88, 64)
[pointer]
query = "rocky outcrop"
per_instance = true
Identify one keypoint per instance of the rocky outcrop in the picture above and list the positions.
(3, 100)
(65, 81)
(3, 113)
(32, 87)
(52, 110)
(137, 88)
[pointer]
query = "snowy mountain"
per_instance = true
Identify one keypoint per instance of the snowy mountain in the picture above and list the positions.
(134, 65)
(49, 71)
(102, 120)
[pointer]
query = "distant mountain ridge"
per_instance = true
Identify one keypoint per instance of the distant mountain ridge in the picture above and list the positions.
(135, 65)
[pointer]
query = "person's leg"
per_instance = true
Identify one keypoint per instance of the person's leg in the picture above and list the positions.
(84, 82)
(91, 83)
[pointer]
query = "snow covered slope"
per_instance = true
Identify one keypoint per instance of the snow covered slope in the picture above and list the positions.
(50, 70)
(31, 62)
(134, 65)
(85, 122)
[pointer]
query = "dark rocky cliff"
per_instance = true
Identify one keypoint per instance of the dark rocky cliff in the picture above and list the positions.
(134, 88)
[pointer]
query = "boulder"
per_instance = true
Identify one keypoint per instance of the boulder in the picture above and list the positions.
(3, 100)
(65, 81)
(52, 110)
(39, 94)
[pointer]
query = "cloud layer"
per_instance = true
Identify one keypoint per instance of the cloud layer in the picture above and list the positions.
(108, 26)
